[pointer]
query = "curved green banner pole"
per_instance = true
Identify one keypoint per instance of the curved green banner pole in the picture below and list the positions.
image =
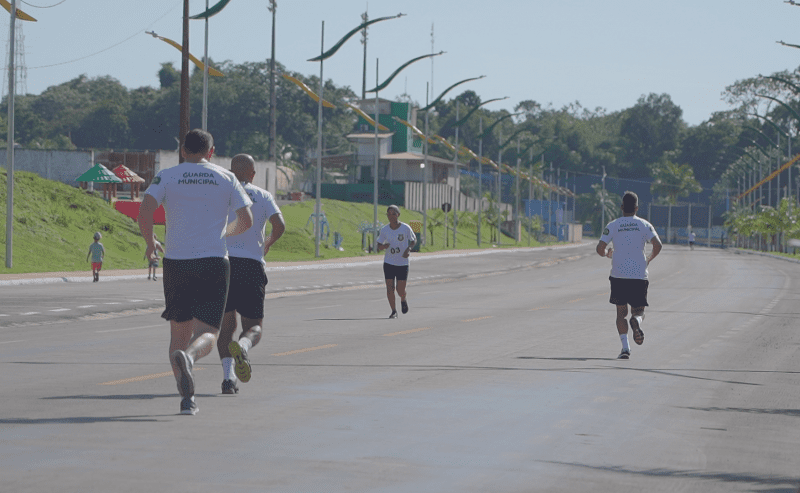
(347, 36)
(782, 104)
(489, 129)
(435, 101)
(774, 125)
(473, 110)
(793, 86)
(212, 11)
(514, 135)
(394, 74)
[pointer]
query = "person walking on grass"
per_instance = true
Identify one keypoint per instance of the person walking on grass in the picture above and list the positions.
(98, 253)
(197, 197)
(152, 263)
(397, 239)
(248, 278)
(629, 263)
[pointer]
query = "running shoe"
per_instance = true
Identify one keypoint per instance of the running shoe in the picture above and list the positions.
(229, 387)
(638, 335)
(186, 380)
(404, 307)
(188, 406)
(241, 364)
(625, 354)
(393, 315)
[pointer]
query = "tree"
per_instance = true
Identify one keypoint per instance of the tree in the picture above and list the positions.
(591, 207)
(672, 181)
(649, 129)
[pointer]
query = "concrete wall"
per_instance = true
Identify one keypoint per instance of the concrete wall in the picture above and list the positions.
(266, 171)
(63, 166)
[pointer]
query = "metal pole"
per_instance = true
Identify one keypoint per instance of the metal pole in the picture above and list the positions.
(456, 180)
(10, 148)
(425, 176)
(480, 177)
(603, 203)
(184, 97)
(375, 168)
(205, 78)
(318, 203)
(364, 18)
(499, 188)
(273, 98)
(516, 204)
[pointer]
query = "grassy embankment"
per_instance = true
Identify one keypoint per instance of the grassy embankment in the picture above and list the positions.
(54, 224)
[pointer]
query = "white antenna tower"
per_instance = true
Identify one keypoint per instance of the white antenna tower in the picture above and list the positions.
(21, 78)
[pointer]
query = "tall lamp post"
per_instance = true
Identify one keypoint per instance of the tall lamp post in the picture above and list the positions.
(378, 87)
(457, 125)
(426, 109)
(324, 55)
(10, 148)
(12, 73)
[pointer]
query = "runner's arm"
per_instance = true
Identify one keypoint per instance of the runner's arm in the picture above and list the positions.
(278, 227)
(601, 249)
(145, 220)
(656, 242)
(243, 222)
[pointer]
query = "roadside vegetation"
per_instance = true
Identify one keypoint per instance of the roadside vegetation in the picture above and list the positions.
(54, 224)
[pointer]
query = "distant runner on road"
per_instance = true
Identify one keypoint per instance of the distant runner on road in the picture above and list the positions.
(629, 234)
(397, 239)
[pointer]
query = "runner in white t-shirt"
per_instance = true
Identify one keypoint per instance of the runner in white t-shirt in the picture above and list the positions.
(692, 237)
(248, 278)
(197, 197)
(629, 282)
(397, 239)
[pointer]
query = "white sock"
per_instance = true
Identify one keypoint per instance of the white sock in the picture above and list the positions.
(624, 339)
(227, 369)
(245, 343)
(639, 319)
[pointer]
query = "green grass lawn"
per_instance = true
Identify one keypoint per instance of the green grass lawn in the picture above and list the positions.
(54, 224)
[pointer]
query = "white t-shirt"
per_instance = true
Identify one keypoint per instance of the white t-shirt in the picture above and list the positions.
(629, 234)
(398, 240)
(691, 237)
(197, 198)
(250, 244)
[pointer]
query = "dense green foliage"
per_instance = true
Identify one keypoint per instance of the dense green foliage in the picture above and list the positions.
(633, 143)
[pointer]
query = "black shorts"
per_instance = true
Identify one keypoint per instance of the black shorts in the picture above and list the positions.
(196, 288)
(399, 272)
(629, 292)
(247, 287)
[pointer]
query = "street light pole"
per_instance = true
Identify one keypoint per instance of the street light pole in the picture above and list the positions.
(318, 202)
(480, 177)
(10, 148)
(205, 78)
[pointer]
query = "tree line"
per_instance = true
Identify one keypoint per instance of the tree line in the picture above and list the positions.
(649, 140)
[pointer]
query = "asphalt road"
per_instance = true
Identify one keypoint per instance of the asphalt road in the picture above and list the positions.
(503, 377)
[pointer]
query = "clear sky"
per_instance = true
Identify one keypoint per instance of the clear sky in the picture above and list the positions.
(599, 53)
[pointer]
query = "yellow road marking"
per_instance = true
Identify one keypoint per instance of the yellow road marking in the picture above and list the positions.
(540, 308)
(142, 378)
(479, 318)
(296, 351)
(406, 332)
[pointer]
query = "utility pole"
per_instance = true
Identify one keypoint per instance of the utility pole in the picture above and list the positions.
(184, 108)
(364, 18)
(273, 132)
